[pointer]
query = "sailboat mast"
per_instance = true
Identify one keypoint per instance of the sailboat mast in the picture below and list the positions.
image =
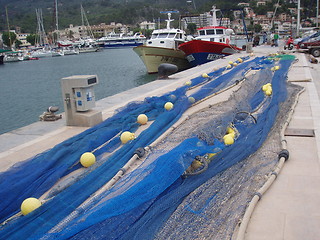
(82, 15)
(8, 27)
(56, 8)
(85, 23)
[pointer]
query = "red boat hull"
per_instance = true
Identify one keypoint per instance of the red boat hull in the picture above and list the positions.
(199, 51)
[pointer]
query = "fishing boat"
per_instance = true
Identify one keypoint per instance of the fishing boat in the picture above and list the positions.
(162, 47)
(2, 52)
(212, 42)
(115, 40)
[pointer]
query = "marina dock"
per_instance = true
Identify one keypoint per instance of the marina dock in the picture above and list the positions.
(289, 209)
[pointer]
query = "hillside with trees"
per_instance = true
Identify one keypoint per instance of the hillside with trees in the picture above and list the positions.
(22, 12)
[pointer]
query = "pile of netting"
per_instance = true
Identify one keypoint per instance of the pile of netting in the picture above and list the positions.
(139, 206)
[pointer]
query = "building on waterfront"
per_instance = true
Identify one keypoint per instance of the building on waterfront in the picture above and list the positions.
(100, 30)
(202, 20)
(147, 25)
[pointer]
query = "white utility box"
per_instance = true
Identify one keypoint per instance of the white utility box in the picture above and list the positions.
(79, 100)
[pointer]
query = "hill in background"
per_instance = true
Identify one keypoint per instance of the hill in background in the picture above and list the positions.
(131, 12)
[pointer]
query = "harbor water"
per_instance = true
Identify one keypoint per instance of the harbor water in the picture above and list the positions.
(28, 88)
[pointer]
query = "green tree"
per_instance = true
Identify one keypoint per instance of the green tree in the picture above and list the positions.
(31, 39)
(257, 28)
(17, 43)
(9, 40)
(192, 27)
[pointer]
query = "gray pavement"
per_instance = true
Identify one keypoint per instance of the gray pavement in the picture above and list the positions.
(289, 210)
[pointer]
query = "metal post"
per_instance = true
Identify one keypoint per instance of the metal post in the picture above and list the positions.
(298, 19)
(317, 14)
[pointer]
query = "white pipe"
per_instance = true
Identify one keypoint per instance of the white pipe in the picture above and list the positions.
(272, 177)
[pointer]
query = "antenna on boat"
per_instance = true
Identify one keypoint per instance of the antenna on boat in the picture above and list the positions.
(214, 15)
(169, 17)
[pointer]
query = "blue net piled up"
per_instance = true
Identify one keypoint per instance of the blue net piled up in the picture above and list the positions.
(140, 204)
(144, 220)
(37, 175)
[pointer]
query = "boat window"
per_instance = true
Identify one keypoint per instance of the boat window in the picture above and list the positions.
(202, 32)
(171, 35)
(210, 32)
(163, 35)
(212, 39)
(219, 31)
(161, 41)
(154, 36)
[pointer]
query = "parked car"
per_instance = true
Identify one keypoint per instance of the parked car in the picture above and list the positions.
(311, 44)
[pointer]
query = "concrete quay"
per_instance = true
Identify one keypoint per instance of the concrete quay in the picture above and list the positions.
(289, 210)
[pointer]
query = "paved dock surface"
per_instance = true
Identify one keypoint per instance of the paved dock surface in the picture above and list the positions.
(289, 210)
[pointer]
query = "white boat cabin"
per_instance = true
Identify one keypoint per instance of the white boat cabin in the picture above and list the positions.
(167, 38)
(215, 34)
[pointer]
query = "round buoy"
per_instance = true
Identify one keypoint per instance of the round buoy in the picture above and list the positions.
(191, 100)
(204, 75)
(168, 106)
(235, 64)
(187, 83)
(265, 87)
(228, 66)
(228, 139)
(240, 60)
(142, 119)
(269, 92)
(230, 130)
(29, 204)
(87, 159)
(196, 164)
(126, 137)
(276, 68)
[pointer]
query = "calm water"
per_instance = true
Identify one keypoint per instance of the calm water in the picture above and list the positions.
(28, 88)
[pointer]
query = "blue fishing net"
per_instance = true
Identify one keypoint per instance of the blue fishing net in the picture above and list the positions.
(146, 203)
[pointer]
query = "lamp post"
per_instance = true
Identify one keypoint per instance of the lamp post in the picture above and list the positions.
(298, 19)
(292, 19)
(317, 13)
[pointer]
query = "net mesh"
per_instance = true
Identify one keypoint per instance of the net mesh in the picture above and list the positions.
(155, 199)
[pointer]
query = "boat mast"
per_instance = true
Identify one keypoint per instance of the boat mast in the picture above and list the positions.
(42, 38)
(57, 22)
(214, 15)
(169, 20)
(9, 35)
(169, 17)
(85, 22)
